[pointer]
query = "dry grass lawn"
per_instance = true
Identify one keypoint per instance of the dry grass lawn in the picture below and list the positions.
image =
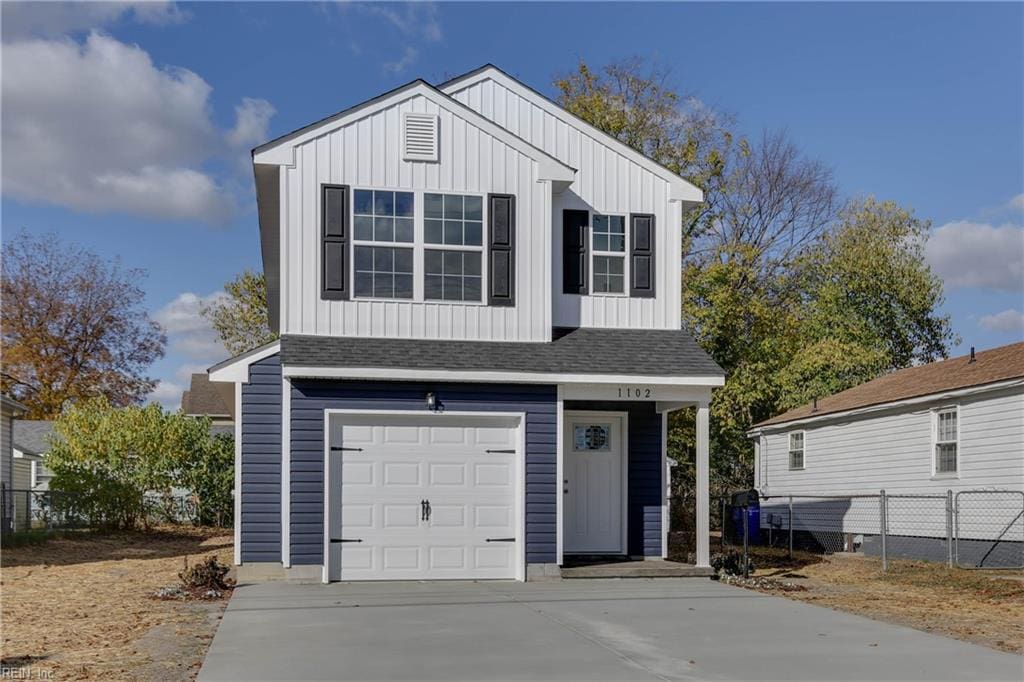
(984, 607)
(81, 606)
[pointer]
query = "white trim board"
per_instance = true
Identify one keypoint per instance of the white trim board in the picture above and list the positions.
(282, 151)
(460, 376)
(682, 189)
(520, 477)
(236, 370)
(883, 407)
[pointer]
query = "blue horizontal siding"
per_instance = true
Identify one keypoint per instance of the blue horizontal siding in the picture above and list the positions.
(261, 462)
(310, 398)
(643, 513)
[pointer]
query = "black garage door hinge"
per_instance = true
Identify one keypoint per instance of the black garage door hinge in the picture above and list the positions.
(341, 449)
(345, 540)
(503, 452)
(500, 540)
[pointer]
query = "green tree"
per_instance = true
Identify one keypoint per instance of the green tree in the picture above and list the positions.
(108, 459)
(241, 319)
(792, 293)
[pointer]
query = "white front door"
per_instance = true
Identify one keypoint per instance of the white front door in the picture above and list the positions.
(593, 485)
(417, 497)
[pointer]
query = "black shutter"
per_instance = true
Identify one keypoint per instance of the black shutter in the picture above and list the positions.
(575, 239)
(641, 254)
(501, 245)
(334, 237)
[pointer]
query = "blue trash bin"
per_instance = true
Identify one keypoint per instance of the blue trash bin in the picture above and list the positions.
(753, 518)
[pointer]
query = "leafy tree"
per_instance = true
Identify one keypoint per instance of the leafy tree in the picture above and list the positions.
(241, 319)
(792, 293)
(73, 327)
(635, 102)
(108, 459)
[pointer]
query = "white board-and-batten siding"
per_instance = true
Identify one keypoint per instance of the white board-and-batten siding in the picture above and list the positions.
(608, 182)
(367, 154)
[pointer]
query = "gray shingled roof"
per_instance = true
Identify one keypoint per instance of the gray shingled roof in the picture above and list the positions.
(202, 398)
(30, 436)
(648, 352)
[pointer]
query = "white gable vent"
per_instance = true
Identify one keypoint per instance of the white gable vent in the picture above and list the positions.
(419, 137)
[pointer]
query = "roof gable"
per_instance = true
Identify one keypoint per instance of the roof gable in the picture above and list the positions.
(988, 367)
(682, 189)
(281, 150)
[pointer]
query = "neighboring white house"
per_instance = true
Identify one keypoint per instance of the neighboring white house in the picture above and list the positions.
(31, 443)
(9, 410)
(954, 425)
(478, 301)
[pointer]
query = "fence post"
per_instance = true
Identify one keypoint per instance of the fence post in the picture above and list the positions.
(789, 523)
(721, 536)
(28, 510)
(883, 522)
(949, 528)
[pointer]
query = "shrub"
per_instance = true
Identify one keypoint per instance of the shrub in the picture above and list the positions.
(116, 464)
(730, 563)
(209, 574)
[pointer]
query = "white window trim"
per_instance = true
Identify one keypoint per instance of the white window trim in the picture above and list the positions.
(418, 246)
(617, 254)
(420, 230)
(936, 474)
(789, 449)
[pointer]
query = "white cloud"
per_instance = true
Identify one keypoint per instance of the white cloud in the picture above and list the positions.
(56, 18)
(407, 60)
(188, 332)
(252, 118)
(168, 394)
(1016, 203)
(967, 254)
(1009, 320)
(97, 126)
(412, 19)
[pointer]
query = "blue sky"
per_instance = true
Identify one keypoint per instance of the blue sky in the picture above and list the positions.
(146, 114)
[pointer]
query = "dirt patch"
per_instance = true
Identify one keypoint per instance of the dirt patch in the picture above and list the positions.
(983, 607)
(81, 607)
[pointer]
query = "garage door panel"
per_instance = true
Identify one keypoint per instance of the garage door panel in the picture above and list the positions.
(402, 473)
(377, 500)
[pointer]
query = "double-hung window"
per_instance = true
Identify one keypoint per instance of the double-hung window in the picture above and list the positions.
(796, 450)
(946, 439)
(453, 253)
(383, 227)
(609, 246)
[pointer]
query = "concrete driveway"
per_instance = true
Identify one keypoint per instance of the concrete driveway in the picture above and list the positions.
(667, 629)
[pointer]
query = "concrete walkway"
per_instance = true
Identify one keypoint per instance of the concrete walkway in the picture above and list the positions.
(664, 629)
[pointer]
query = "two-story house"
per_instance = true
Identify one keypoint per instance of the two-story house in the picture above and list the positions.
(478, 301)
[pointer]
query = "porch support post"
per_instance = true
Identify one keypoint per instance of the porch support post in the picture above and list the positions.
(703, 485)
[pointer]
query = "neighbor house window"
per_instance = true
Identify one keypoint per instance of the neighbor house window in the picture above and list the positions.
(946, 438)
(382, 221)
(455, 222)
(796, 450)
(609, 246)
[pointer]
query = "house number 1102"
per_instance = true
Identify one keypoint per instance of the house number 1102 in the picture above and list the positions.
(634, 392)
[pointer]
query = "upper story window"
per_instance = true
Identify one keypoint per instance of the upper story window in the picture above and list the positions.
(947, 440)
(609, 253)
(796, 450)
(382, 219)
(453, 273)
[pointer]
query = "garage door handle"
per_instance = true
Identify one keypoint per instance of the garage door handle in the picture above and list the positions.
(500, 540)
(345, 540)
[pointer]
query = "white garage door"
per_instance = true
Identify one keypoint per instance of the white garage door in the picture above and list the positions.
(423, 497)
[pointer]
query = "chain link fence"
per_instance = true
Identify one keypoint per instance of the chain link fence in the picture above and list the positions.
(969, 529)
(25, 510)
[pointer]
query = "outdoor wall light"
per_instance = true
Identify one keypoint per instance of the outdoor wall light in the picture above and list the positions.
(431, 401)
